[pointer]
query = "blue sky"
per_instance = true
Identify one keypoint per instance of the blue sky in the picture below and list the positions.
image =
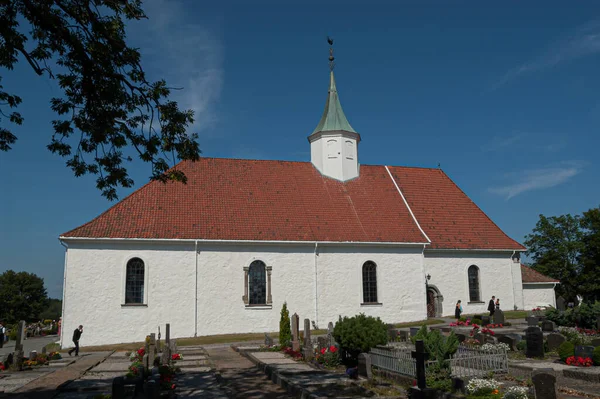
(504, 96)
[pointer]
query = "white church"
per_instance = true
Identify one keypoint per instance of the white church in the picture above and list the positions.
(222, 253)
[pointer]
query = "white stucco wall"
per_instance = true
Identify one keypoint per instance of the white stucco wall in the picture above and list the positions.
(94, 289)
(536, 295)
(448, 270)
(517, 285)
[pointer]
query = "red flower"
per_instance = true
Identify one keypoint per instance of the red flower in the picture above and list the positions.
(323, 350)
(333, 349)
(414, 383)
(173, 386)
(141, 352)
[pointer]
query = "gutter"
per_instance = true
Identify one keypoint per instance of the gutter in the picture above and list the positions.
(62, 323)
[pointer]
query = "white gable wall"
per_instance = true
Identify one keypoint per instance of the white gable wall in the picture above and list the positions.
(448, 270)
(539, 294)
(335, 154)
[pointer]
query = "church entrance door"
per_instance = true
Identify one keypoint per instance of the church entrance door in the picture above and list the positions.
(430, 303)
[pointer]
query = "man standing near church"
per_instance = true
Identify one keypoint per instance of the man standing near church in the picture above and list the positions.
(492, 306)
(76, 336)
(2, 333)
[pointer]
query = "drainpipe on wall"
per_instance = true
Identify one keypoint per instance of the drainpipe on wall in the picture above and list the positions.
(512, 280)
(316, 286)
(62, 323)
(196, 293)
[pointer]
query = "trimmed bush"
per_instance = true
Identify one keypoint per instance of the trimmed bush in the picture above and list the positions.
(566, 350)
(596, 356)
(285, 330)
(359, 334)
(476, 321)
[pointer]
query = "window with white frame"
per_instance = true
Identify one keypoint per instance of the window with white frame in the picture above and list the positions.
(134, 281)
(369, 275)
(257, 284)
(473, 275)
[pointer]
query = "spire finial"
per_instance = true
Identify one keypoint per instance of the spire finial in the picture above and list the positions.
(331, 57)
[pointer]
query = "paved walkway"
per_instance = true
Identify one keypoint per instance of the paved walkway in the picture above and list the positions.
(29, 345)
(239, 376)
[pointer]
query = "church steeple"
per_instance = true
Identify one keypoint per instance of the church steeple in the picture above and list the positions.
(334, 143)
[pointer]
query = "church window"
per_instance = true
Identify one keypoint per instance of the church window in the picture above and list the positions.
(134, 283)
(349, 149)
(332, 149)
(474, 284)
(257, 284)
(369, 272)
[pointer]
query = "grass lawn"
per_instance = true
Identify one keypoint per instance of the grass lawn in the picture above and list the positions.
(419, 323)
(508, 314)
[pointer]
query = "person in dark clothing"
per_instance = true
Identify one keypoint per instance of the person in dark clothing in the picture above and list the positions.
(2, 333)
(76, 336)
(458, 310)
(492, 306)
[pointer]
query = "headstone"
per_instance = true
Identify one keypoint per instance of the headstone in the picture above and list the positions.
(295, 333)
(145, 360)
(32, 355)
(392, 335)
(544, 383)
(584, 351)
(485, 320)
(166, 353)
(308, 348)
(488, 339)
(268, 340)
(20, 335)
(152, 389)
(461, 337)
(421, 355)
(151, 350)
(414, 331)
(44, 350)
(532, 321)
(364, 366)
(118, 388)
(554, 340)
(595, 342)
(330, 328)
(402, 335)
(561, 304)
(548, 325)
(510, 341)
(499, 316)
(535, 342)
(322, 342)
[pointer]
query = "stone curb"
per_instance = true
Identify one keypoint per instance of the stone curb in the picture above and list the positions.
(62, 386)
(575, 374)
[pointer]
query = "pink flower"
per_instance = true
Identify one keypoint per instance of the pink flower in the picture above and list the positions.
(333, 349)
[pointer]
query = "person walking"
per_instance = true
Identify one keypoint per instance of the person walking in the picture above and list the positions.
(458, 311)
(492, 306)
(76, 336)
(2, 334)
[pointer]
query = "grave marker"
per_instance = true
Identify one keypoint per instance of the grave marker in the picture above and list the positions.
(364, 366)
(151, 351)
(485, 320)
(421, 355)
(508, 340)
(532, 321)
(295, 333)
(596, 342)
(584, 351)
(548, 325)
(544, 382)
(268, 340)
(554, 340)
(499, 316)
(535, 342)
(308, 348)
(330, 334)
(32, 355)
(118, 388)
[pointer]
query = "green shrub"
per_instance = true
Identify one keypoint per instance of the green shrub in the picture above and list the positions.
(463, 319)
(596, 356)
(285, 331)
(438, 346)
(476, 321)
(359, 334)
(584, 315)
(565, 350)
(522, 345)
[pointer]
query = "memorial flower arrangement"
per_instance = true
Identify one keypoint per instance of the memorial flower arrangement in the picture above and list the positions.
(579, 361)
(487, 331)
(495, 326)
(54, 356)
(176, 356)
(516, 392)
(167, 374)
(328, 357)
(290, 352)
(137, 355)
(134, 370)
(2, 366)
(492, 347)
(481, 387)
(459, 323)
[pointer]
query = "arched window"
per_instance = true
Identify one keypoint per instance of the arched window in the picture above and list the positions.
(474, 284)
(257, 283)
(134, 282)
(369, 272)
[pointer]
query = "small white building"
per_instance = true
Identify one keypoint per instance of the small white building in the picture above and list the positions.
(222, 253)
(538, 290)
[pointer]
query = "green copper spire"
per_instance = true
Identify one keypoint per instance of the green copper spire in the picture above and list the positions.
(333, 116)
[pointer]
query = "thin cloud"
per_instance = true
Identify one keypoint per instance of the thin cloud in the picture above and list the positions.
(583, 42)
(536, 179)
(186, 54)
(499, 143)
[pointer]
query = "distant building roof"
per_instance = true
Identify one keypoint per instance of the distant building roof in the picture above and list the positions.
(528, 275)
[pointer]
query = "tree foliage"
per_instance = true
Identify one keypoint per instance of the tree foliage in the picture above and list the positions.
(359, 333)
(285, 331)
(107, 104)
(567, 248)
(22, 295)
(53, 310)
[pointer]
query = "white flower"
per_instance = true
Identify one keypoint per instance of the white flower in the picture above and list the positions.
(516, 393)
(481, 386)
(495, 347)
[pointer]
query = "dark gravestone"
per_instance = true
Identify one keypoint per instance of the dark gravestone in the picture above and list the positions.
(268, 340)
(532, 321)
(499, 316)
(308, 347)
(488, 339)
(510, 341)
(535, 342)
(364, 366)
(595, 342)
(118, 388)
(421, 356)
(461, 337)
(544, 383)
(485, 320)
(414, 331)
(554, 341)
(561, 304)
(458, 384)
(548, 326)
(152, 389)
(296, 333)
(322, 342)
(584, 351)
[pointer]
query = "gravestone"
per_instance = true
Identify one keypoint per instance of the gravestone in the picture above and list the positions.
(461, 337)
(308, 348)
(295, 333)
(20, 336)
(421, 355)
(145, 360)
(166, 353)
(499, 316)
(414, 331)
(595, 342)
(152, 389)
(510, 341)
(488, 339)
(535, 342)
(532, 321)
(391, 331)
(32, 355)
(151, 351)
(554, 340)
(584, 351)
(364, 366)
(268, 340)
(544, 383)
(44, 350)
(118, 388)
(548, 325)
(485, 320)
(402, 335)
(322, 342)
(561, 304)
(330, 338)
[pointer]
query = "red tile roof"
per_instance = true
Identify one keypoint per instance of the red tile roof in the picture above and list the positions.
(234, 199)
(528, 275)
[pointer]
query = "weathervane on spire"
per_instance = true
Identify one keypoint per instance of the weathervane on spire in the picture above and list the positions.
(331, 57)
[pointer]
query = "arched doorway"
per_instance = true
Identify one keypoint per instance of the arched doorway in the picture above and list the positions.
(434, 301)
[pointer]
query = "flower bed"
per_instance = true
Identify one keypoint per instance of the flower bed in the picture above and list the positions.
(579, 361)
(328, 357)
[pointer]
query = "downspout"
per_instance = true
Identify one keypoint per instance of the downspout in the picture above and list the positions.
(316, 286)
(196, 293)
(62, 323)
(512, 279)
